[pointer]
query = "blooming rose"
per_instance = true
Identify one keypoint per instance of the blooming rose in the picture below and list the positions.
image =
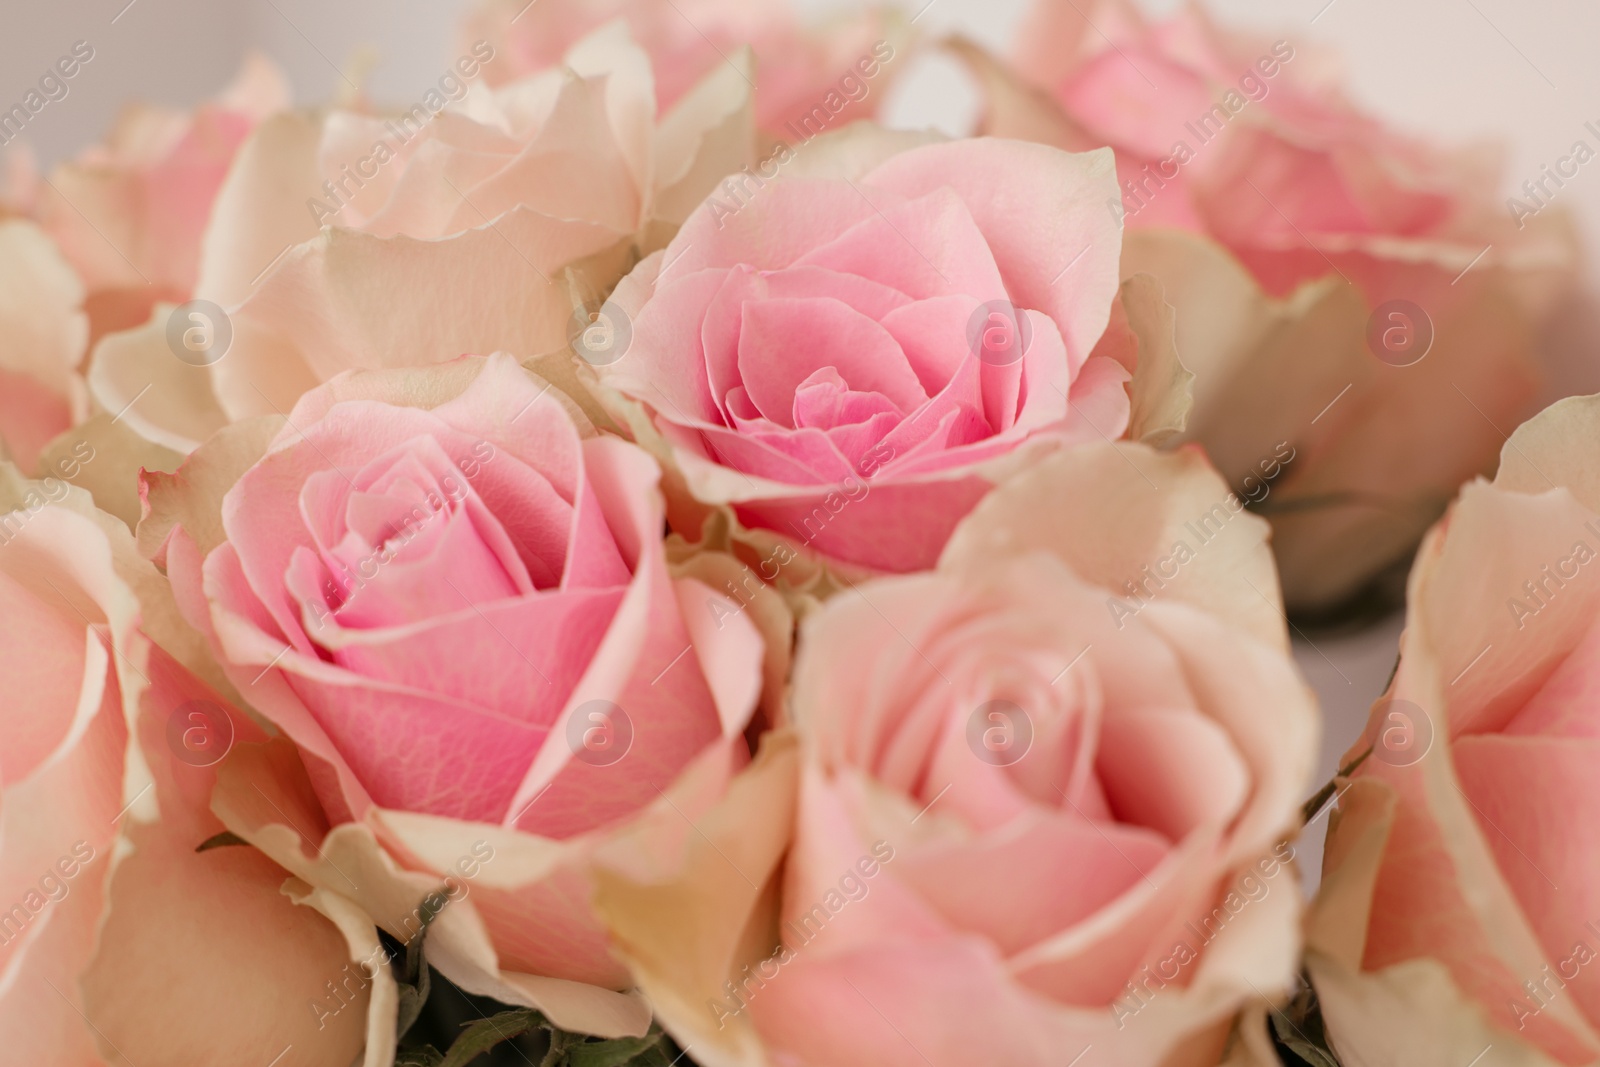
(1324, 217)
(797, 69)
(1195, 113)
(850, 357)
(129, 213)
(458, 607)
(1459, 899)
(470, 222)
(45, 331)
(118, 941)
(1042, 799)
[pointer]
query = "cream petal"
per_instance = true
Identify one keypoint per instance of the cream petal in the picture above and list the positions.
(260, 210)
(135, 376)
(708, 133)
(688, 912)
(348, 300)
(1174, 499)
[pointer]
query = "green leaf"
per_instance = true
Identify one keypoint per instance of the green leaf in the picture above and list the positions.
(412, 997)
(484, 1034)
(560, 1041)
(660, 1055)
(613, 1053)
(222, 840)
(414, 983)
(421, 1056)
(427, 911)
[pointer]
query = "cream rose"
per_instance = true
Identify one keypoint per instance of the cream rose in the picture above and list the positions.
(476, 223)
(1459, 893)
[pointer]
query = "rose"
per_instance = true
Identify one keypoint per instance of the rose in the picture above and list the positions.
(1459, 891)
(47, 424)
(1348, 252)
(1027, 822)
(129, 213)
(457, 606)
(1234, 136)
(479, 515)
(41, 316)
(848, 359)
(796, 67)
(459, 225)
(107, 912)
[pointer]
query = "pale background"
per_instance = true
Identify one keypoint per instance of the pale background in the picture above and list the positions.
(1519, 71)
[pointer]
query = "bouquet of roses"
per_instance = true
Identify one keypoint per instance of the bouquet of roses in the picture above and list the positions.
(625, 559)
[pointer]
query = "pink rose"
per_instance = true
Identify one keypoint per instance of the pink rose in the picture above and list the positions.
(1251, 140)
(836, 67)
(1037, 810)
(457, 605)
(849, 361)
(1460, 891)
(119, 942)
(1340, 289)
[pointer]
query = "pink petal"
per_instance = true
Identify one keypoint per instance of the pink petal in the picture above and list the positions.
(1038, 209)
(1523, 792)
(927, 247)
(1040, 876)
(774, 361)
(774, 230)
